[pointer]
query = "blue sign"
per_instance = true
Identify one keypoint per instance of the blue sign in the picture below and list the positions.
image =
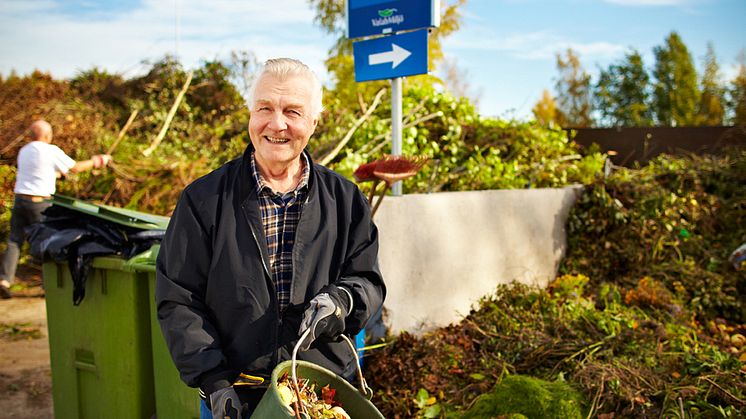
(378, 17)
(391, 56)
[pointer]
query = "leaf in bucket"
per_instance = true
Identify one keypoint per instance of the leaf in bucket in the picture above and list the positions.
(432, 411)
(314, 402)
(421, 398)
(327, 394)
(285, 394)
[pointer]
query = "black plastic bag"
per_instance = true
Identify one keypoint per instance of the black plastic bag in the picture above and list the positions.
(69, 236)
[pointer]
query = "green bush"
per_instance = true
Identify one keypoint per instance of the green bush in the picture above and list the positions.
(530, 397)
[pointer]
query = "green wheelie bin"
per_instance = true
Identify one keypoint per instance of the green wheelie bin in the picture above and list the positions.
(101, 349)
(173, 399)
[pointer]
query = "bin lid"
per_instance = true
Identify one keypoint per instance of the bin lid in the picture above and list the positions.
(122, 216)
(144, 262)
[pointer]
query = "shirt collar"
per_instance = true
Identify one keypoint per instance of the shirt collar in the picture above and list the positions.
(262, 185)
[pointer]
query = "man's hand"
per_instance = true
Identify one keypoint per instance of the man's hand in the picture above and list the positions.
(225, 403)
(325, 315)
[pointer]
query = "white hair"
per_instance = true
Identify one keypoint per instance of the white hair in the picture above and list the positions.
(285, 67)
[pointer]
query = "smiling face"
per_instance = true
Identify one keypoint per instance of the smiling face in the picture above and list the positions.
(282, 120)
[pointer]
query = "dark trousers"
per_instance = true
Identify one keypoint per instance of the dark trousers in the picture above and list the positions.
(25, 213)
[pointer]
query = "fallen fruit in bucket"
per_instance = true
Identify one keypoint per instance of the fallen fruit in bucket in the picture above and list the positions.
(314, 405)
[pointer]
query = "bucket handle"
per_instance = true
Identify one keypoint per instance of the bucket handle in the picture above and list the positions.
(363, 385)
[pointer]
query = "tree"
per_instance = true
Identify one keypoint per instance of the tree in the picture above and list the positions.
(675, 91)
(243, 65)
(622, 93)
(738, 92)
(545, 110)
(711, 109)
(456, 81)
(573, 92)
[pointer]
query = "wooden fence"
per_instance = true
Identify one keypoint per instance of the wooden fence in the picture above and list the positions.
(629, 145)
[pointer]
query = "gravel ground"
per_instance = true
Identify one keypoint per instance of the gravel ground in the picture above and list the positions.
(25, 374)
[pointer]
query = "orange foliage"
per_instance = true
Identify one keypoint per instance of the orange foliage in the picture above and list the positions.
(649, 293)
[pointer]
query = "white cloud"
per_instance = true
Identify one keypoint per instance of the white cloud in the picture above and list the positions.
(37, 35)
(729, 73)
(540, 45)
(584, 50)
(15, 7)
(483, 38)
(647, 2)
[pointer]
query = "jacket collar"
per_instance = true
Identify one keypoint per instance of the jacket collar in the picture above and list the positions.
(247, 184)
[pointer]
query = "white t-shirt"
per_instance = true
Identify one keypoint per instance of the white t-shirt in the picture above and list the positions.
(38, 165)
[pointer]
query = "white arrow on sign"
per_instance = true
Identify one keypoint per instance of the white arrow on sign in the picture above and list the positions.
(395, 56)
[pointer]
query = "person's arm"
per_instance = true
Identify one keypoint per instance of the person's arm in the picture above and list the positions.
(95, 162)
(346, 305)
(181, 282)
(361, 275)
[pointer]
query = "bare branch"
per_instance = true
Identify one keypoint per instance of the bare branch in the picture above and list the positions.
(376, 101)
(123, 131)
(169, 117)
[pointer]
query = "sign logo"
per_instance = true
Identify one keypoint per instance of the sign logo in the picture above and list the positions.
(387, 17)
(386, 12)
(384, 17)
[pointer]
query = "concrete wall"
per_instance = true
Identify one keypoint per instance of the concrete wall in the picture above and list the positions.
(440, 253)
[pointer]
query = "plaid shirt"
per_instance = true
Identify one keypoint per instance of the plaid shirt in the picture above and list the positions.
(280, 215)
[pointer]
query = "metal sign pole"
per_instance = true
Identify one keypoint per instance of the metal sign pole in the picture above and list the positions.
(396, 126)
(401, 51)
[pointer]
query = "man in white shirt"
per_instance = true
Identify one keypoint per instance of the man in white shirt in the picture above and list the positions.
(39, 165)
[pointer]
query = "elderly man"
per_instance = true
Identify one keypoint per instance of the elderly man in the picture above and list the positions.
(264, 248)
(39, 164)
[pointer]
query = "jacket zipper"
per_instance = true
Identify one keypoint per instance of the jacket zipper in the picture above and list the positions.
(294, 256)
(274, 296)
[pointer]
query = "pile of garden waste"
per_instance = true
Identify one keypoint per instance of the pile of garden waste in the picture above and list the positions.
(645, 319)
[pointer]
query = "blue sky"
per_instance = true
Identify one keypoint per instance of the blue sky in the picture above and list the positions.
(505, 48)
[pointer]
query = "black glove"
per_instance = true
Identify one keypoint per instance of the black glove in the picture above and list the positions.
(224, 403)
(325, 314)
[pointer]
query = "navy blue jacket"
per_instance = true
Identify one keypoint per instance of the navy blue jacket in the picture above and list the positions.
(216, 302)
